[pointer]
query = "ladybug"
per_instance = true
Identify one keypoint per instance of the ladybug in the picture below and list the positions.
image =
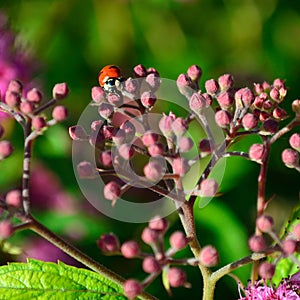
(110, 77)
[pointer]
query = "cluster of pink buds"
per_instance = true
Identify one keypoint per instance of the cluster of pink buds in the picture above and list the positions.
(161, 261)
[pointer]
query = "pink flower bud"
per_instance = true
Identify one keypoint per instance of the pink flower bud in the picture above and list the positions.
(129, 130)
(149, 236)
(178, 240)
(289, 246)
(148, 99)
(226, 82)
(258, 88)
(278, 83)
(15, 86)
(105, 158)
(176, 277)
(14, 198)
(105, 110)
(98, 94)
(109, 243)
(112, 191)
(85, 170)
(108, 131)
(290, 158)
(208, 99)
(185, 144)
(60, 113)
(115, 99)
(156, 149)
(12, 99)
(266, 86)
(264, 223)
(183, 84)
(209, 256)
(266, 270)
(151, 265)
(38, 123)
(222, 118)
(77, 133)
(165, 124)
(225, 100)
(153, 170)
(180, 166)
(197, 102)
(194, 72)
(126, 151)
(264, 116)
(132, 288)
(60, 91)
(245, 96)
(159, 224)
(96, 125)
(274, 94)
(267, 105)
(258, 102)
(204, 146)
(6, 229)
(294, 141)
(149, 138)
(6, 149)
(130, 249)
(296, 107)
(179, 126)
(208, 187)
(26, 107)
(257, 243)
(296, 231)
(249, 121)
(152, 70)
(256, 152)
(34, 95)
(153, 81)
(140, 71)
(211, 86)
(279, 113)
(131, 85)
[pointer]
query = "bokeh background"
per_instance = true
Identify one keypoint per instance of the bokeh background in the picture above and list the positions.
(71, 40)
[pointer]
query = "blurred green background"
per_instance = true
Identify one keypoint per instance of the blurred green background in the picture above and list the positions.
(72, 40)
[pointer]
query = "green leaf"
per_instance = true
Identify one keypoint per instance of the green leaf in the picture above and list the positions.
(40, 280)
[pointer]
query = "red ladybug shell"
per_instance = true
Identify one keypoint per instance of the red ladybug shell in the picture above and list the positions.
(110, 71)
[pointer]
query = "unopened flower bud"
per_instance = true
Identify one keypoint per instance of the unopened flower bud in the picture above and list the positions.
(256, 152)
(126, 151)
(14, 198)
(226, 82)
(178, 240)
(12, 99)
(290, 158)
(156, 149)
(158, 223)
(109, 243)
(183, 83)
(153, 170)
(294, 141)
(149, 236)
(176, 277)
(197, 102)
(112, 191)
(257, 243)
(249, 121)
(140, 71)
(180, 166)
(108, 131)
(265, 223)
(131, 85)
(296, 107)
(208, 99)
(34, 95)
(278, 83)
(105, 158)
(165, 124)
(6, 149)
(296, 231)
(211, 86)
(98, 94)
(15, 86)
(209, 256)
(258, 102)
(153, 81)
(129, 130)
(289, 246)
(38, 123)
(152, 70)
(60, 91)
(105, 110)
(85, 170)
(222, 118)
(151, 265)
(60, 113)
(258, 88)
(225, 100)
(96, 125)
(274, 94)
(266, 270)
(179, 126)
(6, 229)
(267, 105)
(132, 288)
(148, 99)
(194, 72)
(244, 95)
(115, 99)
(149, 138)
(279, 113)
(77, 133)
(266, 86)
(185, 144)
(130, 249)
(208, 187)
(26, 107)
(204, 146)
